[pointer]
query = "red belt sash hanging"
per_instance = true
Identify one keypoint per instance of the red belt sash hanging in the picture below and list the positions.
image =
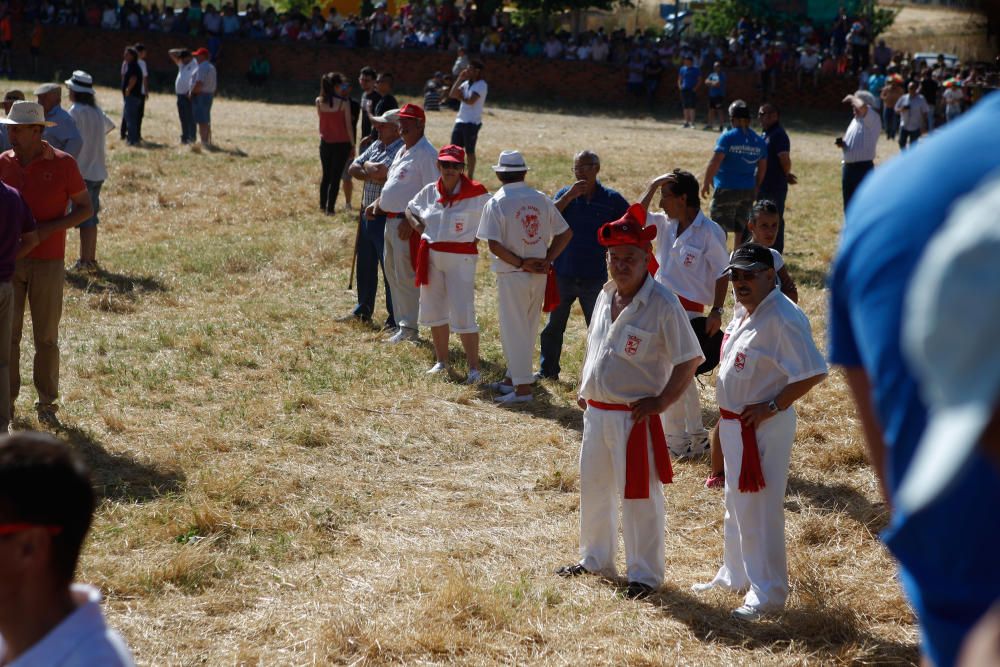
(751, 476)
(424, 255)
(552, 300)
(691, 306)
(636, 454)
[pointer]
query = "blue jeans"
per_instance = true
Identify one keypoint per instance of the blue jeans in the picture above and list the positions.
(371, 256)
(570, 289)
(132, 119)
(186, 114)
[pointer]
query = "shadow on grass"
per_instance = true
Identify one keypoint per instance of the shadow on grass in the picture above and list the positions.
(840, 498)
(807, 277)
(102, 281)
(821, 630)
(116, 476)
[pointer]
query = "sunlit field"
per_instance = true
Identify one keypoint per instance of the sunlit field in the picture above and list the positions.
(280, 488)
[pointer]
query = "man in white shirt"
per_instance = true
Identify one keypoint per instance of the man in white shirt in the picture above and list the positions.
(46, 506)
(860, 142)
(641, 354)
(525, 232)
(414, 166)
(186, 66)
(691, 253)
(769, 361)
(913, 111)
(470, 89)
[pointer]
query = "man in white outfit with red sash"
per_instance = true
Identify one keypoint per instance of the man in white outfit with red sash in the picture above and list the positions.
(641, 356)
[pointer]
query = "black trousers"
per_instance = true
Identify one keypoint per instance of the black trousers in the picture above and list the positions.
(142, 112)
(851, 176)
(332, 157)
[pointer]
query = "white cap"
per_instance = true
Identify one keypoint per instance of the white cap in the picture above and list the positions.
(510, 161)
(390, 116)
(951, 325)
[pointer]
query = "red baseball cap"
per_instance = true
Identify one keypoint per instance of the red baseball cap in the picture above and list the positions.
(412, 111)
(201, 52)
(452, 153)
(629, 229)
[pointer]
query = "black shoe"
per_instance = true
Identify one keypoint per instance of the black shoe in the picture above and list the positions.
(574, 570)
(637, 591)
(48, 417)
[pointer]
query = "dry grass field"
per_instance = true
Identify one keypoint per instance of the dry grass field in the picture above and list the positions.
(282, 489)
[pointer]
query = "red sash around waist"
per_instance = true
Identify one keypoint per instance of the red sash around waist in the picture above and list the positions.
(424, 255)
(636, 459)
(552, 300)
(751, 476)
(691, 306)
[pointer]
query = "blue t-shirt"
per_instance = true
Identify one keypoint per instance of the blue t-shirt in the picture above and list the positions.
(689, 76)
(743, 149)
(584, 256)
(948, 551)
(775, 182)
(720, 90)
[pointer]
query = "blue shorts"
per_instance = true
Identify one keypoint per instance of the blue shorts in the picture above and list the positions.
(94, 190)
(201, 105)
(465, 135)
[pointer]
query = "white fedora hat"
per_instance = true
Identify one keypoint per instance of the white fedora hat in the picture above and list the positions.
(26, 113)
(510, 161)
(81, 82)
(390, 116)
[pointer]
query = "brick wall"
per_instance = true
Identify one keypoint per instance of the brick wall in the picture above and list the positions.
(555, 83)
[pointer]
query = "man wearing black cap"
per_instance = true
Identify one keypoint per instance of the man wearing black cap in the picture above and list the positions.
(639, 335)
(769, 361)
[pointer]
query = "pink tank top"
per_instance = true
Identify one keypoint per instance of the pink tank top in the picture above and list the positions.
(332, 128)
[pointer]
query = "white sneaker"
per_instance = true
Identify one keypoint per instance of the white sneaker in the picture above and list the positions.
(514, 398)
(473, 377)
(700, 444)
(500, 387)
(437, 368)
(405, 334)
(702, 588)
(747, 613)
(680, 448)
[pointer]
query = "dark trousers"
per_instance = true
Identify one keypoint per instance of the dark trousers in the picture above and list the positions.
(333, 157)
(911, 136)
(186, 115)
(570, 289)
(779, 199)
(138, 122)
(852, 175)
(371, 257)
(130, 119)
(890, 121)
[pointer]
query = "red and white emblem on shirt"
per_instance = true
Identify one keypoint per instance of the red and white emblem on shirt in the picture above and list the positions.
(688, 259)
(632, 345)
(740, 361)
(529, 219)
(459, 226)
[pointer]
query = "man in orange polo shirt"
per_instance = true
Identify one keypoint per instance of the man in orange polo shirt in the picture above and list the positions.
(49, 180)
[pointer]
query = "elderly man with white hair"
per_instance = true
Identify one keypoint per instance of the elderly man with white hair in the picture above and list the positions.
(859, 142)
(62, 133)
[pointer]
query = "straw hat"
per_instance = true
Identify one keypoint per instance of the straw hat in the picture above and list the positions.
(27, 113)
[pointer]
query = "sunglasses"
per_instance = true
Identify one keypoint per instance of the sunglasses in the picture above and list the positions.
(451, 165)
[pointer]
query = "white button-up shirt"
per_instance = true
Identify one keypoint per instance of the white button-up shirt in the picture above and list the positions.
(764, 352)
(185, 72)
(861, 138)
(691, 263)
(521, 219)
(410, 171)
(457, 223)
(632, 358)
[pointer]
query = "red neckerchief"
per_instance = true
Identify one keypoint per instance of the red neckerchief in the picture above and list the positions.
(467, 189)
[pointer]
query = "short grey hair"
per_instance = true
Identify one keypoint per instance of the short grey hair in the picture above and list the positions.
(586, 153)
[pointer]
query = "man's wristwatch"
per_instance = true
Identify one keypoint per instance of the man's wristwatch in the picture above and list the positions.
(772, 407)
(716, 309)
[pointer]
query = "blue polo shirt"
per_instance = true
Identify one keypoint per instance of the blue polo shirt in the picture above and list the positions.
(775, 181)
(743, 149)
(948, 550)
(689, 76)
(583, 258)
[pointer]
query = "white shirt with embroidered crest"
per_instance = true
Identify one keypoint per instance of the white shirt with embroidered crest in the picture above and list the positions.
(457, 223)
(692, 262)
(764, 352)
(410, 171)
(521, 219)
(632, 357)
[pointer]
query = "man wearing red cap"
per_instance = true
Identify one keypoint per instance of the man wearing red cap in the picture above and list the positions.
(446, 216)
(202, 92)
(769, 361)
(414, 167)
(641, 355)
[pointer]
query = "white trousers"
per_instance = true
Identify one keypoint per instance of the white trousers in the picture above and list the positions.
(450, 298)
(682, 419)
(402, 279)
(602, 487)
(520, 296)
(754, 527)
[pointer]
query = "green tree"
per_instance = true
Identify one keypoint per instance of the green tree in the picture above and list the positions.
(720, 17)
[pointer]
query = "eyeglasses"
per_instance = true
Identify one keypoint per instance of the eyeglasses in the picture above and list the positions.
(13, 528)
(743, 276)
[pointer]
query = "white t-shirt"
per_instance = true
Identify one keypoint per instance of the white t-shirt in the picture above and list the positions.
(410, 171)
(93, 124)
(82, 639)
(521, 219)
(953, 98)
(690, 264)
(471, 113)
(185, 73)
(632, 357)
(764, 352)
(456, 223)
(808, 62)
(206, 75)
(145, 75)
